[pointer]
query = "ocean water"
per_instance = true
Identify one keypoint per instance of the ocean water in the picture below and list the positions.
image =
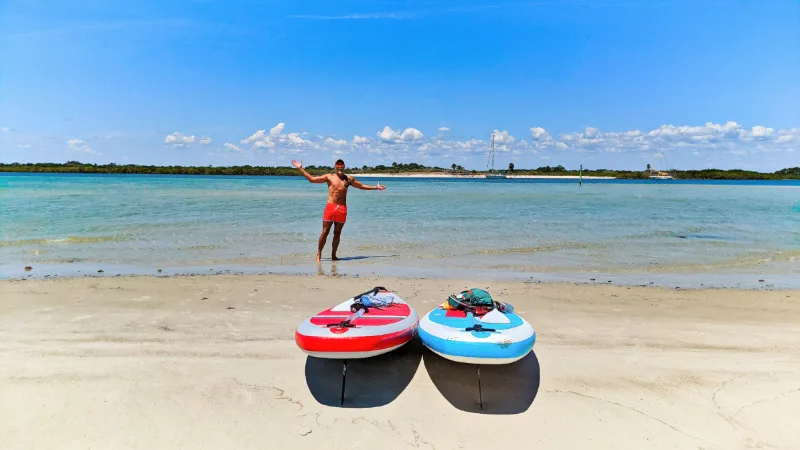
(676, 233)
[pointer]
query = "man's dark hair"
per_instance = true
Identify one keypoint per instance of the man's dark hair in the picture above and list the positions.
(339, 161)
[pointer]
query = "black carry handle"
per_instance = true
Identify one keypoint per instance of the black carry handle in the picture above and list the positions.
(342, 324)
(478, 327)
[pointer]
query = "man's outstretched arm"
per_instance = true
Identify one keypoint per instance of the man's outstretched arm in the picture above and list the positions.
(309, 177)
(362, 186)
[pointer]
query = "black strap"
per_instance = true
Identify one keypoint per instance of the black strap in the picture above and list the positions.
(342, 324)
(478, 327)
(372, 291)
(357, 303)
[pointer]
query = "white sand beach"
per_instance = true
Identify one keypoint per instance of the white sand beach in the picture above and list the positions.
(453, 175)
(210, 362)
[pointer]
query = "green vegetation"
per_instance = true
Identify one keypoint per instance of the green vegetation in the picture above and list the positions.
(395, 168)
(705, 174)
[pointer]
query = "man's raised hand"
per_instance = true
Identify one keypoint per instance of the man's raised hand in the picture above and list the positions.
(297, 164)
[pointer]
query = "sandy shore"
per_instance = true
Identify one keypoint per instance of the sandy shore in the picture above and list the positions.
(210, 362)
(450, 175)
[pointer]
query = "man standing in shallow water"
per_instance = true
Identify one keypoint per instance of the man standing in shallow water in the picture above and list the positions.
(336, 209)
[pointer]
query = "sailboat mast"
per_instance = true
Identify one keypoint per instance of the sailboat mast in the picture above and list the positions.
(492, 153)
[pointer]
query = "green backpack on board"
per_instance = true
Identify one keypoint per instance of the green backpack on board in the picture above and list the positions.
(472, 297)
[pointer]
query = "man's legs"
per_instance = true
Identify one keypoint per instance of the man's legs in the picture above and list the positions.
(326, 228)
(337, 232)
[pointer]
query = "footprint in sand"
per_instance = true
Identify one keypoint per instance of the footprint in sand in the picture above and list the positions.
(142, 298)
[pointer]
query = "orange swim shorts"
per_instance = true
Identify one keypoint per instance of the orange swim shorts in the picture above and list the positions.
(335, 213)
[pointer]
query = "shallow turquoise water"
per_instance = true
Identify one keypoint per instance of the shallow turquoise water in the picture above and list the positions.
(633, 231)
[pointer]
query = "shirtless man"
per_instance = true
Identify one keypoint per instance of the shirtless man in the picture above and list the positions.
(336, 209)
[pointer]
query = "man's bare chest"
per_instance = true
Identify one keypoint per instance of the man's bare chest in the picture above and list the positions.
(338, 187)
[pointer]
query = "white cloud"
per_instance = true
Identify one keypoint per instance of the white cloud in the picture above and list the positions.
(296, 140)
(412, 134)
(178, 139)
(23, 145)
(388, 135)
(403, 14)
(259, 139)
(709, 129)
(708, 137)
(231, 147)
(276, 139)
(81, 146)
(540, 134)
(396, 136)
(409, 144)
(106, 136)
(443, 129)
(503, 138)
(503, 142)
(761, 132)
(277, 129)
(389, 15)
(331, 142)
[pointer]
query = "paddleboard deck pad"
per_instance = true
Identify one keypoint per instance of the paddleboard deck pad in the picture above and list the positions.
(494, 338)
(347, 332)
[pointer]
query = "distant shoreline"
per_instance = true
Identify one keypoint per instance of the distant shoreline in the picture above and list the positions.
(417, 175)
(399, 171)
(405, 175)
(479, 176)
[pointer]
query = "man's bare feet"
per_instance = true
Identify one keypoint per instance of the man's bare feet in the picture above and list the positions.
(334, 258)
(319, 256)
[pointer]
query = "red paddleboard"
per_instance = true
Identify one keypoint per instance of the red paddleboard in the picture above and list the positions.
(339, 333)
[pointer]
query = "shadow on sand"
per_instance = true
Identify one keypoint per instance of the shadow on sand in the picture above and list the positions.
(369, 383)
(357, 258)
(503, 389)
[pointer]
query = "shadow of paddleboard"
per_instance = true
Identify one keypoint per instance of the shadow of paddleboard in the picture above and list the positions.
(370, 382)
(504, 388)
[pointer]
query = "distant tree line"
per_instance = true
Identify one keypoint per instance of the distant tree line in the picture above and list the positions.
(395, 168)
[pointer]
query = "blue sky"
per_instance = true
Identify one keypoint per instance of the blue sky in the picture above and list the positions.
(606, 84)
